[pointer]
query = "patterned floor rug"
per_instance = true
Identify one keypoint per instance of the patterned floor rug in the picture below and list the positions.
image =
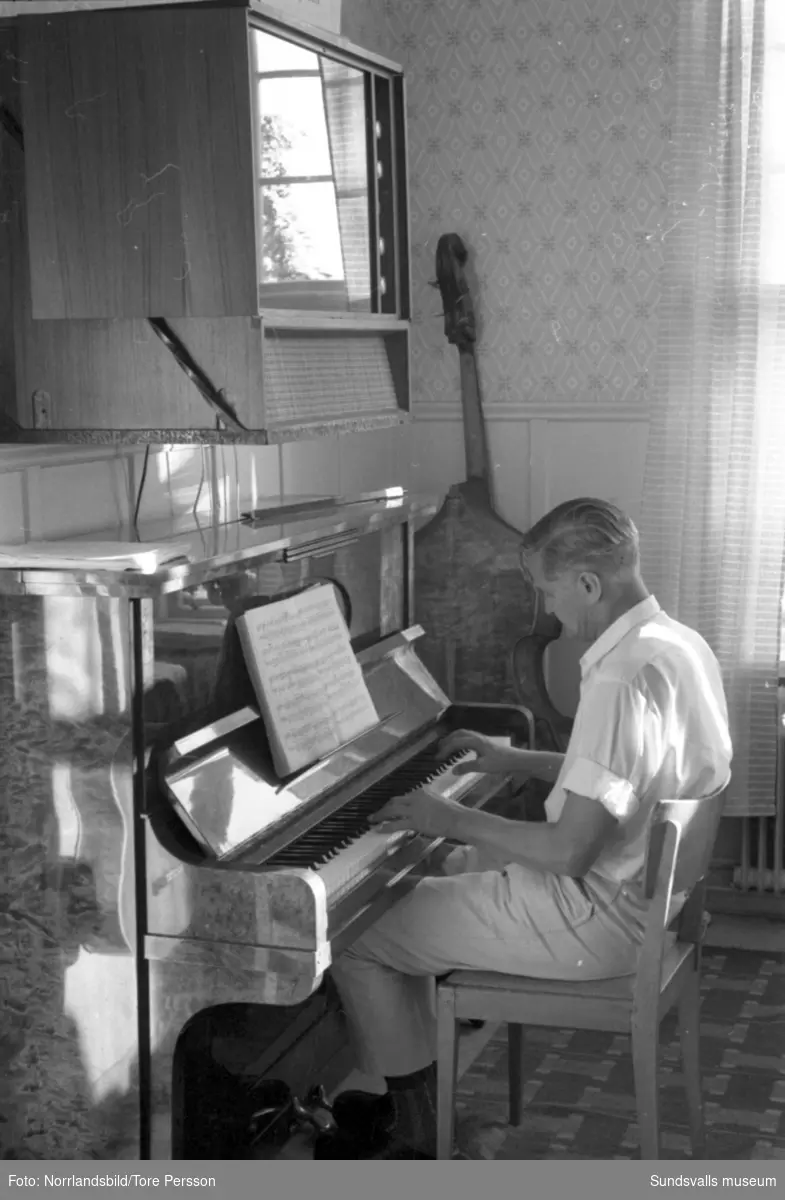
(579, 1091)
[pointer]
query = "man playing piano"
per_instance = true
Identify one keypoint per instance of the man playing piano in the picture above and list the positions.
(558, 899)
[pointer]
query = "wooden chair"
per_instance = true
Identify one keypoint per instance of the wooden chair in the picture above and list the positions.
(680, 843)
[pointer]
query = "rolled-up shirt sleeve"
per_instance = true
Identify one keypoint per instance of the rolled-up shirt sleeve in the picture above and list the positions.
(609, 745)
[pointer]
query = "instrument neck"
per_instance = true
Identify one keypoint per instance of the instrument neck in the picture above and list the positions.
(475, 440)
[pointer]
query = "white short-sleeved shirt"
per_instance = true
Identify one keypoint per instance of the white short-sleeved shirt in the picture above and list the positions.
(652, 724)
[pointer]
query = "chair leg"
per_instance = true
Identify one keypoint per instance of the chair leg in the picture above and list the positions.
(446, 1069)
(515, 1071)
(645, 1055)
(689, 1034)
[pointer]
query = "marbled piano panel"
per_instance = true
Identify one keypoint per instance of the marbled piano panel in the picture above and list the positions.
(68, 995)
(228, 906)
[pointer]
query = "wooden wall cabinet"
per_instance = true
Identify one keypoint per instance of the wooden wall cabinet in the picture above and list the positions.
(225, 175)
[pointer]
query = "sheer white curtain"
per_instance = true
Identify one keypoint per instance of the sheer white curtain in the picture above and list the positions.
(713, 513)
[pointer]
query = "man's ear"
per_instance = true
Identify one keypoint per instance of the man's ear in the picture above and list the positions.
(591, 585)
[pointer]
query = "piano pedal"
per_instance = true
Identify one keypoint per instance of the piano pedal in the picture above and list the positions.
(315, 1111)
(270, 1130)
(317, 1098)
(272, 1124)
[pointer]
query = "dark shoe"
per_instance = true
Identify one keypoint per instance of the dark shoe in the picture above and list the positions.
(364, 1115)
(343, 1145)
(366, 1128)
(400, 1151)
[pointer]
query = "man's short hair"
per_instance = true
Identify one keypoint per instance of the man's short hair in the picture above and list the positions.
(587, 533)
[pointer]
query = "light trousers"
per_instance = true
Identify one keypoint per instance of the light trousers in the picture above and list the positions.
(480, 914)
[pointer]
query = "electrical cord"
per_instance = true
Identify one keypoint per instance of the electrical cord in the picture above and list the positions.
(139, 491)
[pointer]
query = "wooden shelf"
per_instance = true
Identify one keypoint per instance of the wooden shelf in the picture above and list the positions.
(203, 435)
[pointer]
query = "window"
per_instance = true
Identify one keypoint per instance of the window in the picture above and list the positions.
(328, 193)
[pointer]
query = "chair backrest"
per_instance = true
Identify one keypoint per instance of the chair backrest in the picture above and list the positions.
(694, 825)
(681, 840)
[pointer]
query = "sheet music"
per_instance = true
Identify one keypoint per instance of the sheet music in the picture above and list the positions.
(308, 680)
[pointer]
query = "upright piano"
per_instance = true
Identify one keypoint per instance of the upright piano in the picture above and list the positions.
(138, 901)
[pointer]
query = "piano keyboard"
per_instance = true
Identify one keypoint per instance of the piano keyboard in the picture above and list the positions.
(344, 847)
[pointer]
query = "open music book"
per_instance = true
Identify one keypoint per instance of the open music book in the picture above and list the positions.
(309, 685)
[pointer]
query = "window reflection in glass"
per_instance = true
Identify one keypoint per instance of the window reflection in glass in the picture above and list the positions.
(314, 204)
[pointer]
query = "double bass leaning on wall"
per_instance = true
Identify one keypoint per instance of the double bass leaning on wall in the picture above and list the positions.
(485, 635)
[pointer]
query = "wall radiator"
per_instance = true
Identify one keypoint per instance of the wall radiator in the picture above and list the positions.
(760, 869)
(758, 878)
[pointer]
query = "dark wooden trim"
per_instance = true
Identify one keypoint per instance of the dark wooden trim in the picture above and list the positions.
(402, 197)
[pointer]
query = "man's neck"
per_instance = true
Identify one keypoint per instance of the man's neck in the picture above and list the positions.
(627, 596)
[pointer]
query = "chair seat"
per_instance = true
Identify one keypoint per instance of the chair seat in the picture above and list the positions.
(616, 989)
(600, 989)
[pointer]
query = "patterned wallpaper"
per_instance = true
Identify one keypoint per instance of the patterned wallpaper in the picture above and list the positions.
(365, 23)
(539, 131)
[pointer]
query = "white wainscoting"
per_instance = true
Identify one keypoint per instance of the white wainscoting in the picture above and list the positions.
(54, 491)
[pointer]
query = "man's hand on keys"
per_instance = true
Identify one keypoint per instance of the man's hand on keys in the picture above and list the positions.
(421, 812)
(492, 758)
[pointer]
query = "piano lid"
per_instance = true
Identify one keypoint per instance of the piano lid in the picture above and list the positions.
(291, 527)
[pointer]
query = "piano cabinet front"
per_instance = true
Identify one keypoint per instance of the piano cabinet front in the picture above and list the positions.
(186, 984)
